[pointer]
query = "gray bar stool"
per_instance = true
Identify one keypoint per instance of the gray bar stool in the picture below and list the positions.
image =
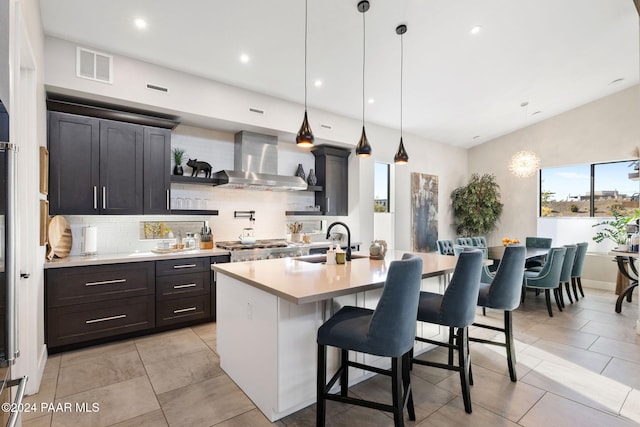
(456, 308)
(387, 331)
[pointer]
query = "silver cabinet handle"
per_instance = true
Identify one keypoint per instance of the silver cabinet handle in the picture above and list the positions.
(104, 319)
(105, 282)
(328, 204)
(21, 383)
(186, 285)
(95, 197)
(184, 310)
(168, 208)
(185, 266)
(104, 197)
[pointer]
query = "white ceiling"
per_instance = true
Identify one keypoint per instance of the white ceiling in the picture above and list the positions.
(459, 89)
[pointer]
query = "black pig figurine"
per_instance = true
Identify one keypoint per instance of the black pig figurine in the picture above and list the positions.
(199, 166)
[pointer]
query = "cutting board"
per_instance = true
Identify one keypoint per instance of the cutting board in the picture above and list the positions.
(60, 237)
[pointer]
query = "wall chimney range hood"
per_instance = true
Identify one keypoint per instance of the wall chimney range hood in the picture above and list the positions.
(255, 166)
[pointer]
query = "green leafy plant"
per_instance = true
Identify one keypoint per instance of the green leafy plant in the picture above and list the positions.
(477, 206)
(615, 229)
(178, 154)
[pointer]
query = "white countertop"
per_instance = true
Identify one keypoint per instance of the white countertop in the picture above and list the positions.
(302, 282)
(117, 258)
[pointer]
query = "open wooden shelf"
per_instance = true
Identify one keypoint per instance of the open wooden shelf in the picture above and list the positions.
(183, 179)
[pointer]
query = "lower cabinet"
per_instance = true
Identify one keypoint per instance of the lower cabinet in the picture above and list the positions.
(87, 305)
(183, 289)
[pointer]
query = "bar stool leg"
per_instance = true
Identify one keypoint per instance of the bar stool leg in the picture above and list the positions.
(344, 376)
(464, 362)
(406, 380)
(511, 350)
(396, 391)
(321, 403)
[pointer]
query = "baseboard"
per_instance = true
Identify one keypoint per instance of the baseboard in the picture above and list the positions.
(598, 284)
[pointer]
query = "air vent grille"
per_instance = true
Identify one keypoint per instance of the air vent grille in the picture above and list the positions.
(94, 65)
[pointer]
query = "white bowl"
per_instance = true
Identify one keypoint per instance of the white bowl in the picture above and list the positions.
(247, 240)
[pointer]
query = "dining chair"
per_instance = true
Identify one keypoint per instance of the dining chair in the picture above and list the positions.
(387, 331)
(501, 290)
(536, 242)
(565, 273)
(548, 278)
(578, 265)
(475, 242)
(445, 247)
(455, 309)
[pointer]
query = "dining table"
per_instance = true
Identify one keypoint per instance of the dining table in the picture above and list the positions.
(497, 252)
(627, 268)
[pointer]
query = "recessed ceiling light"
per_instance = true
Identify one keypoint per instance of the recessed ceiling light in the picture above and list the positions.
(244, 58)
(612, 82)
(140, 23)
(537, 112)
(371, 101)
(476, 29)
(476, 137)
(317, 83)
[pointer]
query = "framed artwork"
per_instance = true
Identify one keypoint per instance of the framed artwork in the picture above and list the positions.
(424, 212)
(44, 222)
(44, 170)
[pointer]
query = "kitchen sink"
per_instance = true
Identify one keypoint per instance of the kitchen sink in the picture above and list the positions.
(322, 259)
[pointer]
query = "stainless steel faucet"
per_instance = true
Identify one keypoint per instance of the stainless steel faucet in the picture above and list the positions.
(348, 251)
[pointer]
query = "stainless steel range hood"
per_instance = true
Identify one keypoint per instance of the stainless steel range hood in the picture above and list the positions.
(255, 165)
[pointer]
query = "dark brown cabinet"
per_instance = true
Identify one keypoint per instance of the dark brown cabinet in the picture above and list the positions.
(94, 302)
(332, 171)
(87, 305)
(183, 290)
(100, 166)
(74, 157)
(121, 162)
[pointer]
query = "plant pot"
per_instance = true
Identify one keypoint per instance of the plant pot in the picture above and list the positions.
(622, 248)
(177, 170)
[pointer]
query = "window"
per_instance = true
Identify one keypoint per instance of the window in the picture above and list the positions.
(565, 191)
(589, 190)
(381, 199)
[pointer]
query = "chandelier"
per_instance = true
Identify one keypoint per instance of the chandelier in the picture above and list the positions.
(524, 164)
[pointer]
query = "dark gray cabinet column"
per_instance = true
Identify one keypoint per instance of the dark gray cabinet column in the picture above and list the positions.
(332, 171)
(157, 178)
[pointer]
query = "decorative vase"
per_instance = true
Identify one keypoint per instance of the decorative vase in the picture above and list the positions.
(177, 170)
(312, 179)
(300, 172)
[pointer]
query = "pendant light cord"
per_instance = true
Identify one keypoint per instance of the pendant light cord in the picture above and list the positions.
(363, 62)
(401, 72)
(305, 53)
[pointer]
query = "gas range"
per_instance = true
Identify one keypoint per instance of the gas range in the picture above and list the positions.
(262, 249)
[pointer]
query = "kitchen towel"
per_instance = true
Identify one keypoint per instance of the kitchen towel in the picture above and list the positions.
(89, 240)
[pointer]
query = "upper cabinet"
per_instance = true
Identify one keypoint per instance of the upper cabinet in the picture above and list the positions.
(332, 171)
(100, 166)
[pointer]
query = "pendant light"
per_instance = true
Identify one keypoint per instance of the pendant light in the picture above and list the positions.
(524, 163)
(401, 156)
(363, 149)
(305, 135)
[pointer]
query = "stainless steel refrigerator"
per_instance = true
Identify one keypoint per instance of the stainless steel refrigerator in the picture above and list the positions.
(11, 401)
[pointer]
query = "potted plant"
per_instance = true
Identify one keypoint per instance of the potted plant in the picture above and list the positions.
(477, 206)
(178, 154)
(616, 229)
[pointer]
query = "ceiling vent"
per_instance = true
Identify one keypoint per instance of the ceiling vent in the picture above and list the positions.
(94, 65)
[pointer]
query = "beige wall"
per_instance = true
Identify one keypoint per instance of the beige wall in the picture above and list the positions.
(607, 129)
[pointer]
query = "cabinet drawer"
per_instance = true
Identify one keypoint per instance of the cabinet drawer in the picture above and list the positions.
(183, 285)
(80, 285)
(183, 309)
(84, 322)
(182, 266)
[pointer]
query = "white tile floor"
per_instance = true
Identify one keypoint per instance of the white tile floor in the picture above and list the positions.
(579, 368)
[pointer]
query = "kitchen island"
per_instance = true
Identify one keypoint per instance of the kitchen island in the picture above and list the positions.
(269, 311)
